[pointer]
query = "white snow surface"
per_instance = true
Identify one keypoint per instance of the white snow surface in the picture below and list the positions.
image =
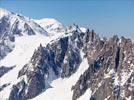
(13, 18)
(3, 12)
(83, 29)
(107, 98)
(21, 54)
(61, 88)
(125, 76)
(50, 25)
(86, 95)
(47, 22)
(24, 48)
(23, 51)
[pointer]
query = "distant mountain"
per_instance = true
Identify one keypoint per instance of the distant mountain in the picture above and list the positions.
(51, 25)
(13, 25)
(54, 62)
(17, 24)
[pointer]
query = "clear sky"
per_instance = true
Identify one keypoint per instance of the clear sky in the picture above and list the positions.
(106, 17)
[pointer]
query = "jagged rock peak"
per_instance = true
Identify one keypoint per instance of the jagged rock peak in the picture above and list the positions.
(106, 69)
(110, 63)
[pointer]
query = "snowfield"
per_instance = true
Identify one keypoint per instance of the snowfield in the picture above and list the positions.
(21, 54)
(25, 35)
(23, 51)
(25, 45)
(61, 88)
(50, 25)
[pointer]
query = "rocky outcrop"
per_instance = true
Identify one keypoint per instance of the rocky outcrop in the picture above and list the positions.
(109, 75)
(60, 58)
(4, 86)
(17, 92)
(4, 26)
(107, 67)
(35, 72)
(4, 70)
(6, 45)
(12, 25)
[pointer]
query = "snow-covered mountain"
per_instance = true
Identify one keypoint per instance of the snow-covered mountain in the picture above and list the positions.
(19, 37)
(14, 25)
(17, 24)
(51, 25)
(72, 64)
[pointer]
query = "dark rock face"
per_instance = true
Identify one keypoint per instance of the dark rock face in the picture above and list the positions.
(4, 26)
(112, 56)
(109, 61)
(5, 37)
(17, 92)
(117, 58)
(35, 77)
(3, 86)
(15, 28)
(12, 25)
(36, 85)
(28, 29)
(61, 58)
(4, 50)
(6, 45)
(14, 95)
(104, 89)
(4, 70)
(88, 75)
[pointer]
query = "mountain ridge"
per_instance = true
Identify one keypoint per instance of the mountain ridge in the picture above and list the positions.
(74, 64)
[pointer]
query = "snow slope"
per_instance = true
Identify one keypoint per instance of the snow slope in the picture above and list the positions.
(23, 51)
(21, 54)
(18, 22)
(25, 46)
(50, 25)
(61, 88)
(83, 29)
(4, 12)
(86, 95)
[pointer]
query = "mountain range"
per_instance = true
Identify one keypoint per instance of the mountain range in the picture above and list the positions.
(45, 60)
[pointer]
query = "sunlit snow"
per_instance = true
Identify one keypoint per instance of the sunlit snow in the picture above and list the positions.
(21, 54)
(61, 88)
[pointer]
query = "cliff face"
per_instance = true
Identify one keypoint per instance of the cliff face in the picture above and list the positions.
(61, 58)
(109, 63)
(110, 73)
(14, 25)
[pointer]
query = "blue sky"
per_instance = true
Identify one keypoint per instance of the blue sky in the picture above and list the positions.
(106, 17)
